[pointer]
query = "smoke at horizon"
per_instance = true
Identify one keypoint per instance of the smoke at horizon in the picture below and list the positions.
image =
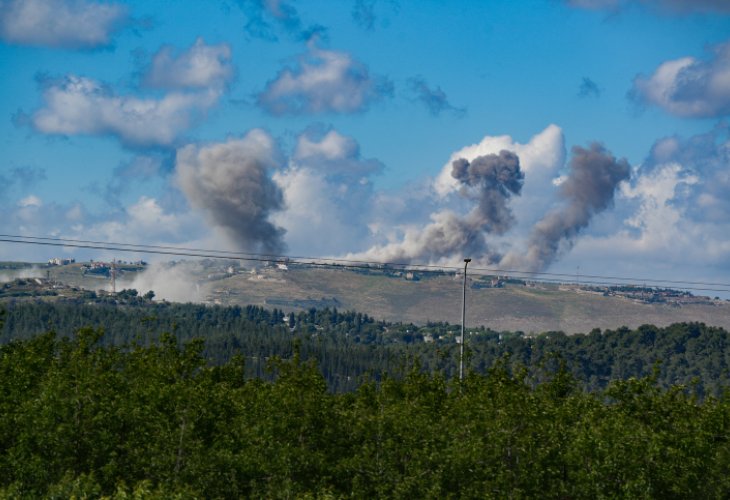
(174, 282)
(230, 183)
(24, 273)
(489, 181)
(588, 190)
(488, 232)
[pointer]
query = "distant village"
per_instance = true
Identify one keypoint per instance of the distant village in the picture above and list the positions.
(99, 267)
(58, 261)
(272, 271)
(643, 294)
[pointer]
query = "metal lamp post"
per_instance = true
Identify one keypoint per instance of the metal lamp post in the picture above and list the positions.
(463, 320)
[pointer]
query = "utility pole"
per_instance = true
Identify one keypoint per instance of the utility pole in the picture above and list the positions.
(463, 320)
(114, 275)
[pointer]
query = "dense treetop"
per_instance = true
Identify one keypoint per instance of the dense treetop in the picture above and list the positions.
(193, 402)
(85, 420)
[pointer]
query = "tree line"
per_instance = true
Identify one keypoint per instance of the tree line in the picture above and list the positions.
(350, 345)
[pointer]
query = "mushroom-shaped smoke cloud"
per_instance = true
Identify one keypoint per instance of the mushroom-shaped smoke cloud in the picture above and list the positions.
(496, 178)
(490, 181)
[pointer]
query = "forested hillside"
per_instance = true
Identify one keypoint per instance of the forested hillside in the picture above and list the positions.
(80, 420)
(348, 345)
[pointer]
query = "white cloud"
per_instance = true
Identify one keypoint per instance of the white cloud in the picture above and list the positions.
(147, 214)
(706, 157)
(676, 218)
(147, 221)
(333, 146)
(30, 201)
(454, 228)
(60, 23)
(327, 191)
(540, 159)
(334, 155)
(321, 218)
(78, 105)
(201, 66)
(657, 218)
(689, 87)
(324, 81)
(31, 216)
(75, 213)
(456, 224)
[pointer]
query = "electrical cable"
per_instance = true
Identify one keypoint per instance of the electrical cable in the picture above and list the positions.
(560, 278)
(268, 257)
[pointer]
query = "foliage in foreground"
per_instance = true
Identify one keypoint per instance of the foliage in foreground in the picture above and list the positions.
(78, 418)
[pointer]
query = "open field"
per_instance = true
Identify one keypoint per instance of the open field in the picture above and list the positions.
(514, 307)
(437, 297)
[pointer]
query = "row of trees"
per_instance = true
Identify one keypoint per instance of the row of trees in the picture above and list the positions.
(86, 420)
(348, 345)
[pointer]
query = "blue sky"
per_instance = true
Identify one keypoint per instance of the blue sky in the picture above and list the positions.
(331, 128)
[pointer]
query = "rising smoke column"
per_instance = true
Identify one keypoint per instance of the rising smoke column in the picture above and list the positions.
(488, 180)
(230, 182)
(589, 189)
(496, 178)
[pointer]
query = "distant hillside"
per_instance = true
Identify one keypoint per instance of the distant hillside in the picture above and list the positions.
(513, 307)
(401, 297)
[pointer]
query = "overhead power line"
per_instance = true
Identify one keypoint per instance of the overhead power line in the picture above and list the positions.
(228, 253)
(541, 276)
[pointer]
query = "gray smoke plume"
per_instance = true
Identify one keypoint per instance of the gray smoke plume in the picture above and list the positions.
(175, 282)
(230, 182)
(589, 189)
(489, 180)
(496, 178)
